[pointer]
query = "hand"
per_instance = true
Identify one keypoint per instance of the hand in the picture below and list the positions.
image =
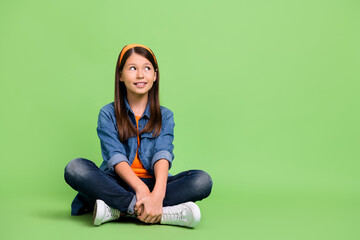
(151, 208)
(142, 192)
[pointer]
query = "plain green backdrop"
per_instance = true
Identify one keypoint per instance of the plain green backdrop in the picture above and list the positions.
(265, 95)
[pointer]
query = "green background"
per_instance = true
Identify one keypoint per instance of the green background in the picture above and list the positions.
(265, 95)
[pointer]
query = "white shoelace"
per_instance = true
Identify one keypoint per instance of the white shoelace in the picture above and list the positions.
(174, 215)
(111, 213)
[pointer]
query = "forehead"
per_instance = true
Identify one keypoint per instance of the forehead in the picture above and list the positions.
(137, 59)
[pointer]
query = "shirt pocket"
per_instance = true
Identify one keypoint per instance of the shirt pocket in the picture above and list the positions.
(147, 145)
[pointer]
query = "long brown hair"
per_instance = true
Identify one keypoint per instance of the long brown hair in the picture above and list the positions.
(125, 128)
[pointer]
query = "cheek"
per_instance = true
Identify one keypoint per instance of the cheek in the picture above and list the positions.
(127, 83)
(150, 84)
(151, 76)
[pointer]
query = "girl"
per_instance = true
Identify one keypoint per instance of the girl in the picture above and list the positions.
(136, 136)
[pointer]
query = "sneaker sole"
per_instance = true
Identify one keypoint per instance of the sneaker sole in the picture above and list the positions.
(196, 213)
(97, 219)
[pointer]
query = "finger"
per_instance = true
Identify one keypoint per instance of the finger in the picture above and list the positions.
(155, 220)
(139, 210)
(158, 219)
(149, 219)
(138, 204)
(136, 208)
(152, 220)
(143, 218)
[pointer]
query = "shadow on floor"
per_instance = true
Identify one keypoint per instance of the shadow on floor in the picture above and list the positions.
(86, 219)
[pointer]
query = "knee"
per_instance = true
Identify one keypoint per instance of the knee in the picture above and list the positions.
(203, 183)
(76, 168)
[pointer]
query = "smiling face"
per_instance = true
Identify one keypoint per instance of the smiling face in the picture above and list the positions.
(138, 75)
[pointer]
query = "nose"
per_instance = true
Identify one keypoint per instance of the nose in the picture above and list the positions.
(140, 74)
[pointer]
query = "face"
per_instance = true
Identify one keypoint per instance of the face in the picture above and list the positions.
(138, 75)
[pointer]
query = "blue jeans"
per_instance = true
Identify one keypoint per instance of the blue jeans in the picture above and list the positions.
(92, 183)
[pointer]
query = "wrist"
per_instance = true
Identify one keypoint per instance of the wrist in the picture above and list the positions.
(141, 187)
(158, 194)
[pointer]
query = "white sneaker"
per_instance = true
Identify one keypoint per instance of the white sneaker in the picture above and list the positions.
(185, 214)
(103, 213)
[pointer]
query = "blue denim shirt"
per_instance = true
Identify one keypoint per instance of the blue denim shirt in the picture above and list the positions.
(151, 148)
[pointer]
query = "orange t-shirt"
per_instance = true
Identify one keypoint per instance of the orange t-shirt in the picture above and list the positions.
(137, 165)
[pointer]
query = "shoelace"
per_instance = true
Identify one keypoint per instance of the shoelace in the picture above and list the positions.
(174, 214)
(111, 212)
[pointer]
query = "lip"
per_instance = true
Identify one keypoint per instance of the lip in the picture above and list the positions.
(140, 84)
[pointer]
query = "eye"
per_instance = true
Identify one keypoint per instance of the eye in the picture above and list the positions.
(132, 68)
(148, 68)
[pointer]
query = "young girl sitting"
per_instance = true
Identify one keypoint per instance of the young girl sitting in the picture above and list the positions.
(136, 136)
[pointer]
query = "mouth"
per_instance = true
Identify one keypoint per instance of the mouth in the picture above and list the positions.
(140, 84)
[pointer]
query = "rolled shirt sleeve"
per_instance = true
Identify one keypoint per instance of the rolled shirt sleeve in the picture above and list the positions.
(164, 142)
(113, 151)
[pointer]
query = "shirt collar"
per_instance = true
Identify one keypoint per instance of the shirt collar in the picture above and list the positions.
(146, 112)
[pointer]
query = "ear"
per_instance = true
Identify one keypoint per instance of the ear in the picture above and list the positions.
(155, 76)
(120, 77)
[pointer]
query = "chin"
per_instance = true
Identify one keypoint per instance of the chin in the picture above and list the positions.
(140, 92)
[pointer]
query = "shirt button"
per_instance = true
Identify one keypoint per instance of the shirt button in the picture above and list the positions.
(139, 125)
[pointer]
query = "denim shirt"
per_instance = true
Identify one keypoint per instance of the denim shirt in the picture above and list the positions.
(151, 148)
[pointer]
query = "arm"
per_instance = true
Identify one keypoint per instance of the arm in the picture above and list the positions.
(161, 169)
(164, 142)
(150, 208)
(113, 151)
(125, 172)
